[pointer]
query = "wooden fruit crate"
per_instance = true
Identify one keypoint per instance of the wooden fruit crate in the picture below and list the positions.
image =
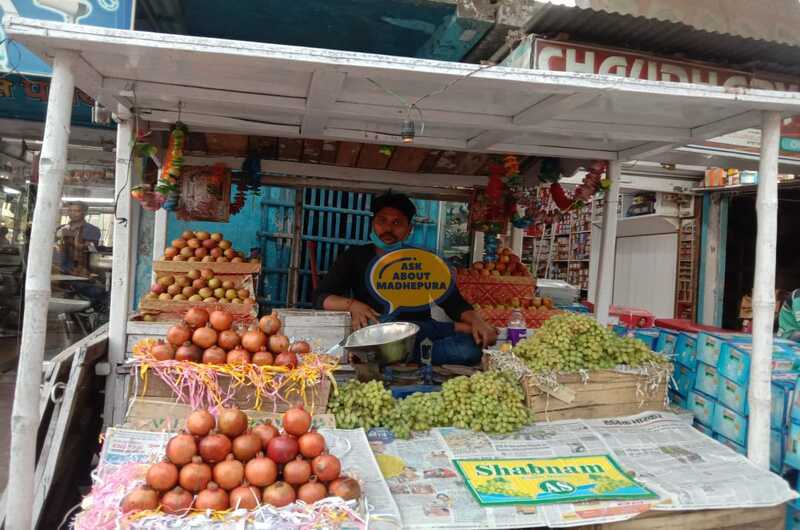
(534, 317)
(602, 394)
(316, 397)
(494, 290)
(771, 518)
(322, 329)
(250, 267)
(244, 397)
(176, 309)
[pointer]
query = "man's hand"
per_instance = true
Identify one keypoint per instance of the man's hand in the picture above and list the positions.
(361, 314)
(484, 334)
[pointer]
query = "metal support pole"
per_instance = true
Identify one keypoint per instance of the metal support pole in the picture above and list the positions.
(159, 236)
(608, 245)
(764, 292)
(25, 415)
(121, 264)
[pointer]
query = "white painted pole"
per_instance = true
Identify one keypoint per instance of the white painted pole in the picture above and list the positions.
(121, 264)
(759, 393)
(608, 245)
(25, 414)
(159, 236)
(517, 237)
(711, 249)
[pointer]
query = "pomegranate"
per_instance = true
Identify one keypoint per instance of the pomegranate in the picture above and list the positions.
(311, 444)
(215, 355)
(162, 476)
(177, 501)
(188, 352)
(261, 471)
(200, 422)
(229, 473)
(245, 496)
(278, 343)
(346, 488)
(262, 358)
(312, 492)
(266, 432)
(282, 449)
(246, 446)
(195, 475)
(163, 351)
(214, 448)
(253, 340)
(326, 467)
(204, 337)
(212, 498)
(287, 359)
(178, 334)
(300, 347)
(279, 494)
(232, 422)
(196, 317)
(238, 355)
(142, 498)
(221, 320)
(228, 339)
(296, 421)
(270, 324)
(181, 449)
(297, 472)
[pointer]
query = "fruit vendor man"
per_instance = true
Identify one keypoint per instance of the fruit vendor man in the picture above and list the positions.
(345, 288)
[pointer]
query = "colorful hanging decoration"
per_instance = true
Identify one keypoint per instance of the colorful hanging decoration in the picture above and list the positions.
(168, 184)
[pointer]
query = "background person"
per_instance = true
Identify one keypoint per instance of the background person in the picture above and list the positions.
(74, 241)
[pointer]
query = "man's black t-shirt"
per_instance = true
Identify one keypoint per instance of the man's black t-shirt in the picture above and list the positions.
(348, 277)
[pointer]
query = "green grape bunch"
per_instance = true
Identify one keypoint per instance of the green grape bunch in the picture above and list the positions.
(489, 402)
(570, 342)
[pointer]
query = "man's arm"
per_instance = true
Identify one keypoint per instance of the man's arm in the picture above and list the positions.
(334, 289)
(460, 311)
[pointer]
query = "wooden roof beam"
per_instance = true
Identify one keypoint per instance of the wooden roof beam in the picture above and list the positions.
(324, 90)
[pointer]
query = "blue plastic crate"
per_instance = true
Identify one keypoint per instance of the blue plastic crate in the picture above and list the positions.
(776, 449)
(703, 407)
(709, 345)
(732, 395)
(730, 424)
(648, 335)
(792, 446)
(684, 379)
(667, 340)
(703, 429)
(400, 392)
(792, 516)
(742, 450)
(783, 387)
(620, 330)
(686, 350)
(734, 361)
(677, 399)
(707, 379)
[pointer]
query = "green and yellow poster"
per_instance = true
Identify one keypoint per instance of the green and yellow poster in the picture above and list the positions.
(504, 481)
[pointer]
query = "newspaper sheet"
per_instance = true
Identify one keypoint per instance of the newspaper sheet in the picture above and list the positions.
(659, 449)
(689, 470)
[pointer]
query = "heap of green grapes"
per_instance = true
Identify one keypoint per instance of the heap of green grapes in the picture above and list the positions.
(569, 342)
(486, 401)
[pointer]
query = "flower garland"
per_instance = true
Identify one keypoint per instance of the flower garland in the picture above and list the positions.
(202, 385)
(168, 183)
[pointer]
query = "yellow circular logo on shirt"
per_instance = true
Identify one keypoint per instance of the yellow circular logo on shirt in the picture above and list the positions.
(410, 278)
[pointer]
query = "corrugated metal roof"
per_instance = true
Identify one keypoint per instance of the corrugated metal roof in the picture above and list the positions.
(664, 38)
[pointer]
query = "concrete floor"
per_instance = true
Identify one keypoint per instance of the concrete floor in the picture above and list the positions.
(57, 341)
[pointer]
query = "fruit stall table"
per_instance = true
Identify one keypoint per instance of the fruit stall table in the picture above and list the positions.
(299, 93)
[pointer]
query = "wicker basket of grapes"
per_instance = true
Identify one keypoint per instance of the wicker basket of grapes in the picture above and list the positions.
(572, 367)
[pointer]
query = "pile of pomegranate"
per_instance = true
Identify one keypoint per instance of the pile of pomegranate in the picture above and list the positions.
(199, 285)
(217, 464)
(209, 338)
(203, 247)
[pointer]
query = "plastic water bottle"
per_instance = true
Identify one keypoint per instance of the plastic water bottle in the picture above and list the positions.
(517, 329)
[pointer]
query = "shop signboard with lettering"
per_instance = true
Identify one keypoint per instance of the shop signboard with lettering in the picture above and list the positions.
(558, 56)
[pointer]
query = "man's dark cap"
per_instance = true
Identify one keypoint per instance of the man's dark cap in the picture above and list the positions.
(398, 201)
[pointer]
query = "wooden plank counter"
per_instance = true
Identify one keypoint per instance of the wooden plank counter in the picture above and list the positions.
(773, 518)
